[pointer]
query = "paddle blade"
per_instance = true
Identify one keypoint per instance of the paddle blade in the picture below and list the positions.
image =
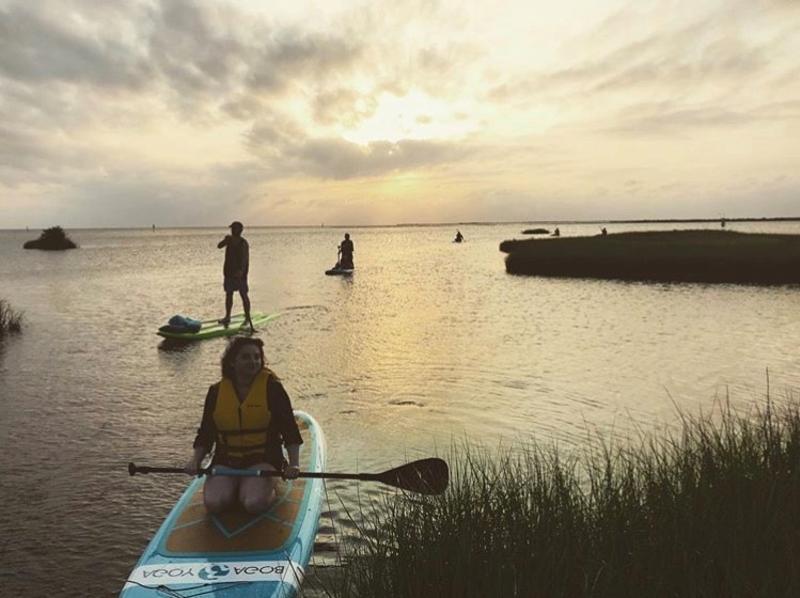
(426, 476)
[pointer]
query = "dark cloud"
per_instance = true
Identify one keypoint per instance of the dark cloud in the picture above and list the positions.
(38, 47)
(194, 47)
(206, 54)
(315, 56)
(286, 151)
(340, 159)
(271, 135)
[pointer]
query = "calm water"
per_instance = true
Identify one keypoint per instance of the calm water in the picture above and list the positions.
(430, 342)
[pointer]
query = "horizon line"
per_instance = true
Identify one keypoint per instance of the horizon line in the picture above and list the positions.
(433, 224)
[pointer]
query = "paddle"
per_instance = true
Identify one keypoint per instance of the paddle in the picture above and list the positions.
(426, 476)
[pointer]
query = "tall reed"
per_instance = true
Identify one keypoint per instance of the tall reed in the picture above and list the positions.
(10, 320)
(713, 510)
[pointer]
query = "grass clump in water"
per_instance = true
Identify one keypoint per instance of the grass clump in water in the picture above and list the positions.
(711, 511)
(51, 239)
(10, 320)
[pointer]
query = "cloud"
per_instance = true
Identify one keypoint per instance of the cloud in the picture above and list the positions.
(339, 159)
(37, 47)
(669, 118)
(661, 119)
(206, 55)
(701, 56)
(282, 145)
(344, 106)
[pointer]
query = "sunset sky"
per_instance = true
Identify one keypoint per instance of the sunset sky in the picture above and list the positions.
(172, 112)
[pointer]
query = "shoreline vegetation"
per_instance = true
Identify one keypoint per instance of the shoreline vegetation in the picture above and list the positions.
(712, 509)
(51, 239)
(10, 319)
(706, 256)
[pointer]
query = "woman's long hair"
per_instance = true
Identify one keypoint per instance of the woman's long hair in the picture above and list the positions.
(236, 345)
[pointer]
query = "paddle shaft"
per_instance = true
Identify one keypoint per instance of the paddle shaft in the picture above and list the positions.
(426, 476)
(260, 473)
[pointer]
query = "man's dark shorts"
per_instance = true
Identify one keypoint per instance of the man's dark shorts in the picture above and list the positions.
(233, 284)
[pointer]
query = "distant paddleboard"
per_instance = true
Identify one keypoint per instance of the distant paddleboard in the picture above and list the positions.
(339, 271)
(212, 328)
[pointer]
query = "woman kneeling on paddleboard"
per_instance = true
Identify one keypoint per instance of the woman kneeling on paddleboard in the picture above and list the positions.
(247, 416)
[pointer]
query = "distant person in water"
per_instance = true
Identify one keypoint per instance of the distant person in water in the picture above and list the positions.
(603, 231)
(237, 263)
(346, 250)
(249, 398)
(556, 233)
(459, 237)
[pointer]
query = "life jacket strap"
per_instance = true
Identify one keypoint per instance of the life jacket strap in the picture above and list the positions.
(225, 433)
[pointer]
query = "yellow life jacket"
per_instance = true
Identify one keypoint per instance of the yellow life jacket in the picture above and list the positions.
(242, 426)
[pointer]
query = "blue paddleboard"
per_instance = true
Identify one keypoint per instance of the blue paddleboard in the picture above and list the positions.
(237, 554)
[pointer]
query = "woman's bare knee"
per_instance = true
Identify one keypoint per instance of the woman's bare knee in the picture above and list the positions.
(260, 502)
(219, 495)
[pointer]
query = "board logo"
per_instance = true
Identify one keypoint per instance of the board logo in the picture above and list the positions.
(212, 572)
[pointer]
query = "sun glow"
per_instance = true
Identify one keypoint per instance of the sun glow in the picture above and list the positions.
(412, 116)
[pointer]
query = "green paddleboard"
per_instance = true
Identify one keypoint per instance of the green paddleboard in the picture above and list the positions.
(212, 328)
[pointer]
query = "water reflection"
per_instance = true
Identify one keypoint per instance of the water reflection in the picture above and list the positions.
(174, 345)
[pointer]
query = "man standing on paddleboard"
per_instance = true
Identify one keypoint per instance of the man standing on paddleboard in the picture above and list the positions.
(237, 263)
(346, 248)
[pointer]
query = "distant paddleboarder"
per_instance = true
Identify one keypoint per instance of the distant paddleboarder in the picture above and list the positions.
(237, 263)
(346, 250)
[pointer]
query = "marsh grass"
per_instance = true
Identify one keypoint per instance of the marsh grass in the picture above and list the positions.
(10, 320)
(669, 256)
(712, 510)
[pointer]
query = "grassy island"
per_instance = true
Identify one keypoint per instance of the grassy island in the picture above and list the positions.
(711, 510)
(51, 239)
(668, 256)
(10, 320)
